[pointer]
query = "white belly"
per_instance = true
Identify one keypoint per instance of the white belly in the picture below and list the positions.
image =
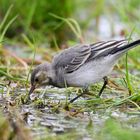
(90, 73)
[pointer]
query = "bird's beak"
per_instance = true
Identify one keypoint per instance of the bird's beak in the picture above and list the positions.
(32, 89)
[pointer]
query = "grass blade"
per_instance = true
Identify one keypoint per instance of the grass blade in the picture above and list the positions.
(6, 28)
(5, 17)
(74, 26)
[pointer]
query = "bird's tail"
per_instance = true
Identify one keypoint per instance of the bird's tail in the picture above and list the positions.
(125, 48)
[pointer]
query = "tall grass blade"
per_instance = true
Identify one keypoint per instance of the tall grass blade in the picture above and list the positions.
(74, 26)
(5, 17)
(6, 28)
(130, 88)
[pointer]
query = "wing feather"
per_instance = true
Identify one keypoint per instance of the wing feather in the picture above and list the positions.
(71, 59)
(105, 48)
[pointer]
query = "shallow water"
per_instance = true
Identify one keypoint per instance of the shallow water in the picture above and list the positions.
(50, 118)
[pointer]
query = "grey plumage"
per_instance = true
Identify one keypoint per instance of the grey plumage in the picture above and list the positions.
(84, 64)
(41, 67)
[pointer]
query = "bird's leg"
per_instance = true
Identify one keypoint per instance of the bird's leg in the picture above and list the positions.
(85, 90)
(104, 85)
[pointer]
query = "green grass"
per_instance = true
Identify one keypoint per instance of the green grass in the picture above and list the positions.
(113, 130)
(74, 26)
(4, 26)
(33, 16)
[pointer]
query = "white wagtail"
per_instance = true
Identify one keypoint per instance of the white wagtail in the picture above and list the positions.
(82, 65)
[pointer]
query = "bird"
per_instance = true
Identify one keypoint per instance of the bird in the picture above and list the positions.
(81, 65)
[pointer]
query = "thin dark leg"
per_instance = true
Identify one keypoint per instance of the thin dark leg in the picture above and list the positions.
(104, 86)
(85, 90)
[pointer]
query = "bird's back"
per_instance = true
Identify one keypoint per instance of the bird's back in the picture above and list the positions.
(78, 55)
(85, 64)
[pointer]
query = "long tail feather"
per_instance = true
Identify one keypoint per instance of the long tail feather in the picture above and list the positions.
(125, 48)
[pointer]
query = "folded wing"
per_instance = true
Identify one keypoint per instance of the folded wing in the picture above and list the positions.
(71, 59)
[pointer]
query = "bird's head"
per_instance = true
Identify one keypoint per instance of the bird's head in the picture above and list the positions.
(40, 76)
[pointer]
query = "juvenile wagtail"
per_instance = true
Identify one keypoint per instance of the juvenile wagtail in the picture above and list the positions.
(82, 65)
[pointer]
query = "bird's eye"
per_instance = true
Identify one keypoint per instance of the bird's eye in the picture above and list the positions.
(36, 80)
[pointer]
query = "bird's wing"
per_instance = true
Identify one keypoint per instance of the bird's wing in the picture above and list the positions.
(71, 59)
(104, 48)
